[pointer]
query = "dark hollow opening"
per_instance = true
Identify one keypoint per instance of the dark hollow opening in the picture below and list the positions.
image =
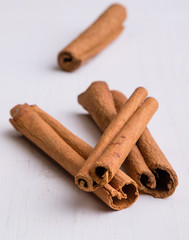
(100, 171)
(130, 190)
(163, 179)
(94, 184)
(67, 59)
(85, 183)
(144, 179)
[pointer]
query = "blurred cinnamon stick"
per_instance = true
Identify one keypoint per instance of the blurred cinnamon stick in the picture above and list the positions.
(96, 37)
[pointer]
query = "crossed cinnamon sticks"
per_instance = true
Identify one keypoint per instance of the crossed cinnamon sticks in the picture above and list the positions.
(97, 169)
(70, 152)
(117, 141)
(145, 163)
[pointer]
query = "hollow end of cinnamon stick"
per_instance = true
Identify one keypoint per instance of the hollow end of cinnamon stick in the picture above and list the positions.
(85, 183)
(166, 182)
(147, 180)
(101, 173)
(131, 192)
(124, 197)
(68, 62)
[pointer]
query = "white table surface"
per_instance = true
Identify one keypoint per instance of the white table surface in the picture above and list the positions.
(39, 199)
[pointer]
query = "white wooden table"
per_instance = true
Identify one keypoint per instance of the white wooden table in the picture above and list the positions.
(39, 199)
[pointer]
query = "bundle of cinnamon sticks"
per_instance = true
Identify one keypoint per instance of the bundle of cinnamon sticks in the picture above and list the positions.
(145, 163)
(125, 140)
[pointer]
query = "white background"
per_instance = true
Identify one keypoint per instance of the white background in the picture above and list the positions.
(38, 200)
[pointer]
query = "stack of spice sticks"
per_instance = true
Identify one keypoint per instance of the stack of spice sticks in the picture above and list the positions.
(145, 163)
(125, 139)
(98, 170)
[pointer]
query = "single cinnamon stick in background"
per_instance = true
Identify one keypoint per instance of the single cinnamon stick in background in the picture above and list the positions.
(98, 101)
(103, 31)
(33, 123)
(166, 177)
(113, 129)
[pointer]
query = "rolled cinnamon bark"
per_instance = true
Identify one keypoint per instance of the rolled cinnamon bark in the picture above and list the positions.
(113, 129)
(120, 180)
(98, 101)
(103, 170)
(46, 133)
(102, 32)
(166, 178)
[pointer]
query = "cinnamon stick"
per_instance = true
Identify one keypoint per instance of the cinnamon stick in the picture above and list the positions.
(96, 37)
(166, 178)
(114, 155)
(98, 101)
(85, 174)
(46, 133)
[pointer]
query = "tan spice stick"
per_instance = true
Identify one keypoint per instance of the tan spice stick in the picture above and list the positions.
(96, 37)
(113, 129)
(80, 146)
(166, 177)
(119, 180)
(135, 164)
(120, 194)
(98, 101)
(114, 155)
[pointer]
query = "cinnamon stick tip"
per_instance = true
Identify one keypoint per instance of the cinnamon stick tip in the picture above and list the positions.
(129, 194)
(84, 183)
(153, 102)
(16, 109)
(121, 8)
(94, 85)
(142, 91)
(101, 173)
(68, 62)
